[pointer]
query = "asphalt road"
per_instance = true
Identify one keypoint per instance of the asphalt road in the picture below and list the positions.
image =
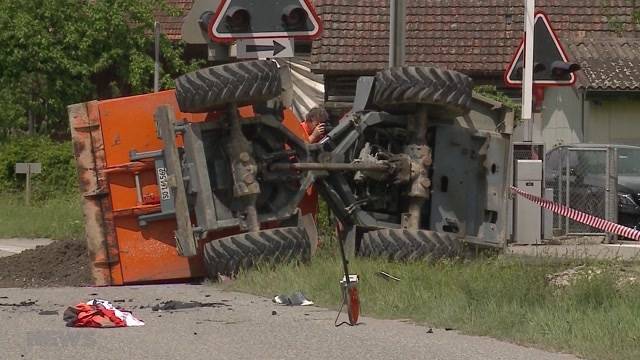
(236, 326)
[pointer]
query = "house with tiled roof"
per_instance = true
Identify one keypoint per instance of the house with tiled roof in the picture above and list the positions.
(478, 38)
(604, 105)
(475, 37)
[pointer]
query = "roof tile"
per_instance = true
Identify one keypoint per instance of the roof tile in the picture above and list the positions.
(475, 37)
(453, 34)
(172, 25)
(608, 64)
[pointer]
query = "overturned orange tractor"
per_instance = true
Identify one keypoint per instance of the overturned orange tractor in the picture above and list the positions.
(218, 175)
(160, 184)
(417, 169)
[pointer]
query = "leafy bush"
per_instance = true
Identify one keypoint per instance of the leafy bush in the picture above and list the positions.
(492, 92)
(61, 52)
(58, 167)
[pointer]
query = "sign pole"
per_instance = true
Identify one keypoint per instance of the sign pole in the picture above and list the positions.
(28, 169)
(28, 193)
(156, 72)
(397, 33)
(527, 85)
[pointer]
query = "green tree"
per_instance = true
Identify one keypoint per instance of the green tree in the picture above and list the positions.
(58, 52)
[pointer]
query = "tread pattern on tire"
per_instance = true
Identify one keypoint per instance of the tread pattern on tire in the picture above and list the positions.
(227, 256)
(409, 245)
(242, 83)
(449, 90)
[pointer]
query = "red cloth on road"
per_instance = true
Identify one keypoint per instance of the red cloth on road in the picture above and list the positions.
(99, 314)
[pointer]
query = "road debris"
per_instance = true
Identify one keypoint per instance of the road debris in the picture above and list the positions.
(99, 314)
(296, 299)
(387, 276)
(180, 305)
(48, 312)
(20, 304)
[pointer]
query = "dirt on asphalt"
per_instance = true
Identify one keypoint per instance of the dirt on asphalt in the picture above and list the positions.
(61, 263)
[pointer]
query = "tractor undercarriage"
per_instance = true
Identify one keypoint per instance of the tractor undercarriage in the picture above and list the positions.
(222, 172)
(375, 169)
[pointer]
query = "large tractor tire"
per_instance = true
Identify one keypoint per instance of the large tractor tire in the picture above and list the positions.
(229, 255)
(409, 245)
(242, 83)
(447, 93)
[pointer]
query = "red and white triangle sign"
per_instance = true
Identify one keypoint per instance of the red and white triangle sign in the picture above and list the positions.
(547, 50)
(266, 20)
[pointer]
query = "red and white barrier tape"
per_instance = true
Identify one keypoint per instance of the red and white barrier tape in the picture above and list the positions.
(581, 217)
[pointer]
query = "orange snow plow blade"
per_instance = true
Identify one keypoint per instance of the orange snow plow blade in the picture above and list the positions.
(119, 185)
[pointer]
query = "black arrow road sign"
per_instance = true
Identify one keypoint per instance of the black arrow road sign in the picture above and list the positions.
(276, 48)
(265, 48)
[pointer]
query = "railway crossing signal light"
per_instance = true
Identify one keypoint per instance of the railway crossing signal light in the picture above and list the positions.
(562, 69)
(552, 66)
(537, 68)
(238, 20)
(205, 19)
(263, 19)
(294, 18)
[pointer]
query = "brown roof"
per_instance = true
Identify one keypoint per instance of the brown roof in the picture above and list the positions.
(172, 25)
(464, 35)
(608, 64)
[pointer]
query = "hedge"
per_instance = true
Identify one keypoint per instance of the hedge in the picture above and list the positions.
(58, 166)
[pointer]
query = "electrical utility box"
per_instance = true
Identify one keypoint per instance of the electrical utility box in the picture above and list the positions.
(527, 215)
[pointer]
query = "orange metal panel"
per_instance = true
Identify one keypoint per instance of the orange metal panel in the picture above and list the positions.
(145, 254)
(127, 124)
(149, 254)
(293, 124)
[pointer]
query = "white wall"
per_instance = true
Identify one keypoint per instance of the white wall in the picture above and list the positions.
(561, 117)
(607, 120)
(612, 120)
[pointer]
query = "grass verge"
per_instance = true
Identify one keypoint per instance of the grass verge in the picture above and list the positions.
(55, 218)
(501, 297)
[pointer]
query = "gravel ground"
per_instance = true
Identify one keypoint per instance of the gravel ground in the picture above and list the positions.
(61, 263)
(239, 326)
(626, 251)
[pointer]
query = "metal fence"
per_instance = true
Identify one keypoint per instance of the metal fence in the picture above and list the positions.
(588, 178)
